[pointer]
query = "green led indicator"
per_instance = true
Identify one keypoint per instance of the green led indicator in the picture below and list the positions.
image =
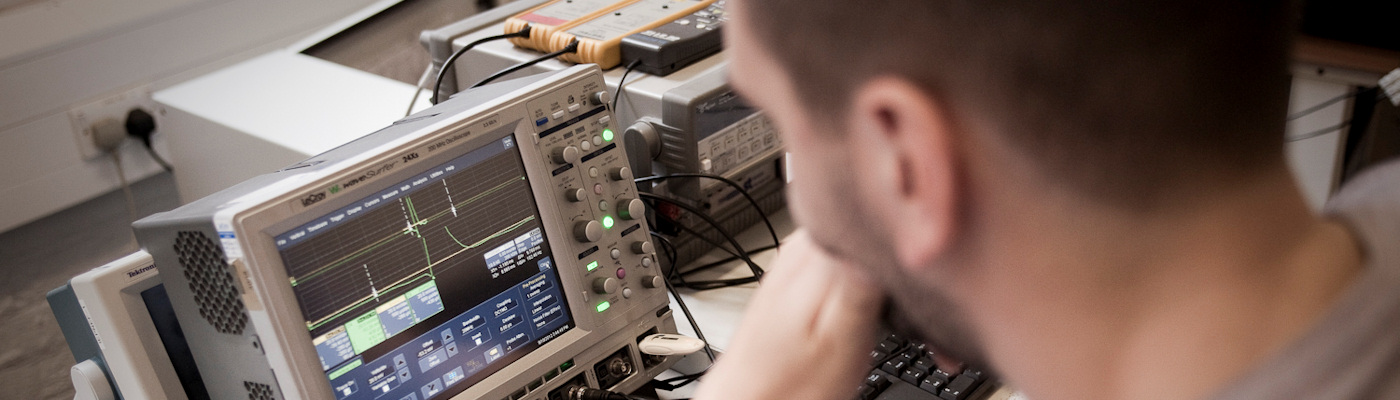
(592, 266)
(607, 222)
(607, 135)
(604, 306)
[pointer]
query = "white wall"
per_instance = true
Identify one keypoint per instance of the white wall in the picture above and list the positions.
(1317, 161)
(58, 54)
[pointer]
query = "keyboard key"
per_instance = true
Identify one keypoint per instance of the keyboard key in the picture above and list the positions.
(924, 364)
(877, 381)
(887, 346)
(876, 355)
(865, 392)
(932, 384)
(913, 376)
(959, 388)
(909, 355)
(944, 376)
(895, 367)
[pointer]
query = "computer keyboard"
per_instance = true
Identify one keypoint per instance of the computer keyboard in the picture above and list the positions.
(905, 370)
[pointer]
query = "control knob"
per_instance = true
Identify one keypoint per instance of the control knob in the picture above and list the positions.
(588, 231)
(642, 247)
(575, 194)
(605, 285)
(631, 209)
(565, 155)
(653, 281)
(621, 174)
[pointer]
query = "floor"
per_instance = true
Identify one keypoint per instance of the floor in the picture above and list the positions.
(43, 255)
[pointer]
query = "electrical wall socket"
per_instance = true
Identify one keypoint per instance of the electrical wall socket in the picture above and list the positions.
(115, 106)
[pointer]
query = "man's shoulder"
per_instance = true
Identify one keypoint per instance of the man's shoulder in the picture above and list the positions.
(1370, 203)
(1353, 352)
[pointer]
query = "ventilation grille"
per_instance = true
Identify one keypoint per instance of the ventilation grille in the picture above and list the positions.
(258, 391)
(211, 282)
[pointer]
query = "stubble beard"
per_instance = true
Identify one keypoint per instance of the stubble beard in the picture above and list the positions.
(912, 308)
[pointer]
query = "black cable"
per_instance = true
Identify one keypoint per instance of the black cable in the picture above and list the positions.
(719, 283)
(1325, 103)
(725, 260)
(446, 65)
(620, 82)
(1317, 133)
(572, 47)
(157, 157)
(731, 183)
(142, 125)
(757, 272)
(588, 393)
(710, 284)
(677, 278)
(671, 254)
(677, 382)
(717, 244)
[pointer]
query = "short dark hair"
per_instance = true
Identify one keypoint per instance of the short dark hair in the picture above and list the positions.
(1125, 99)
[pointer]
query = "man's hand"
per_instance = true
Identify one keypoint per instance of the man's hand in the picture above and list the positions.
(806, 334)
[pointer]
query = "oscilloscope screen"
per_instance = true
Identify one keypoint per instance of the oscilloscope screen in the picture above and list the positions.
(443, 277)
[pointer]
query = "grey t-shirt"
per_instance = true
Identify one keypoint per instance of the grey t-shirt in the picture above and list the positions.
(1354, 350)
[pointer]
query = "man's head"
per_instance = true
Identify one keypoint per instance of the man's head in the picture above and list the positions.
(898, 111)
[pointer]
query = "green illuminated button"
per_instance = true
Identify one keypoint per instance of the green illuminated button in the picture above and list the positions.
(607, 135)
(592, 266)
(604, 306)
(566, 365)
(607, 222)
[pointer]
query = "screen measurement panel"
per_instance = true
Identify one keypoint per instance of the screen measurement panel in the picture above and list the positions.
(371, 278)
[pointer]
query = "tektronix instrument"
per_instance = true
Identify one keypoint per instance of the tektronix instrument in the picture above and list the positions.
(599, 38)
(549, 18)
(125, 339)
(490, 247)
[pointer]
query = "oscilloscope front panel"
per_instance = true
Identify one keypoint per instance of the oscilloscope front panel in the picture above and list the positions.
(494, 252)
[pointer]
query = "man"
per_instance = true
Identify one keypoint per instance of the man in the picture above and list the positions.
(1089, 198)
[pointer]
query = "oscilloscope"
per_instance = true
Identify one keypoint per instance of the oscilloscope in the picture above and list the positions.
(489, 247)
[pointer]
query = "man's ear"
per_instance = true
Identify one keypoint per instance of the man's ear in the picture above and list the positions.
(906, 166)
